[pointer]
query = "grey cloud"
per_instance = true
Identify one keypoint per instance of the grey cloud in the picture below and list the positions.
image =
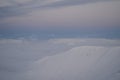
(72, 2)
(16, 9)
(10, 11)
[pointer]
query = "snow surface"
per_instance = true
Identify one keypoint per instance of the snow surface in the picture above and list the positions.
(59, 59)
(79, 63)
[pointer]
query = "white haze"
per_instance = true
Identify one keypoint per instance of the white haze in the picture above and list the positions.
(59, 59)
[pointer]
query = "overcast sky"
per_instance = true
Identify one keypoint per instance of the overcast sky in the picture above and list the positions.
(58, 17)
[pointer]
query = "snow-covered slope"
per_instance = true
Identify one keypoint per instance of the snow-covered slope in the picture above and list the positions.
(60, 59)
(79, 63)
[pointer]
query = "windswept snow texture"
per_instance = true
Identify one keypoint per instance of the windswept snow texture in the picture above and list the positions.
(59, 59)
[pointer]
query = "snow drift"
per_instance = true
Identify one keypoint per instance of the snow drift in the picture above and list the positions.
(59, 59)
(79, 63)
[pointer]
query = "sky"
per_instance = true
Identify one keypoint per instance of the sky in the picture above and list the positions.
(60, 18)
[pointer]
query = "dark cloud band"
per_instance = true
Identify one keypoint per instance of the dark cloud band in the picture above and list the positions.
(17, 9)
